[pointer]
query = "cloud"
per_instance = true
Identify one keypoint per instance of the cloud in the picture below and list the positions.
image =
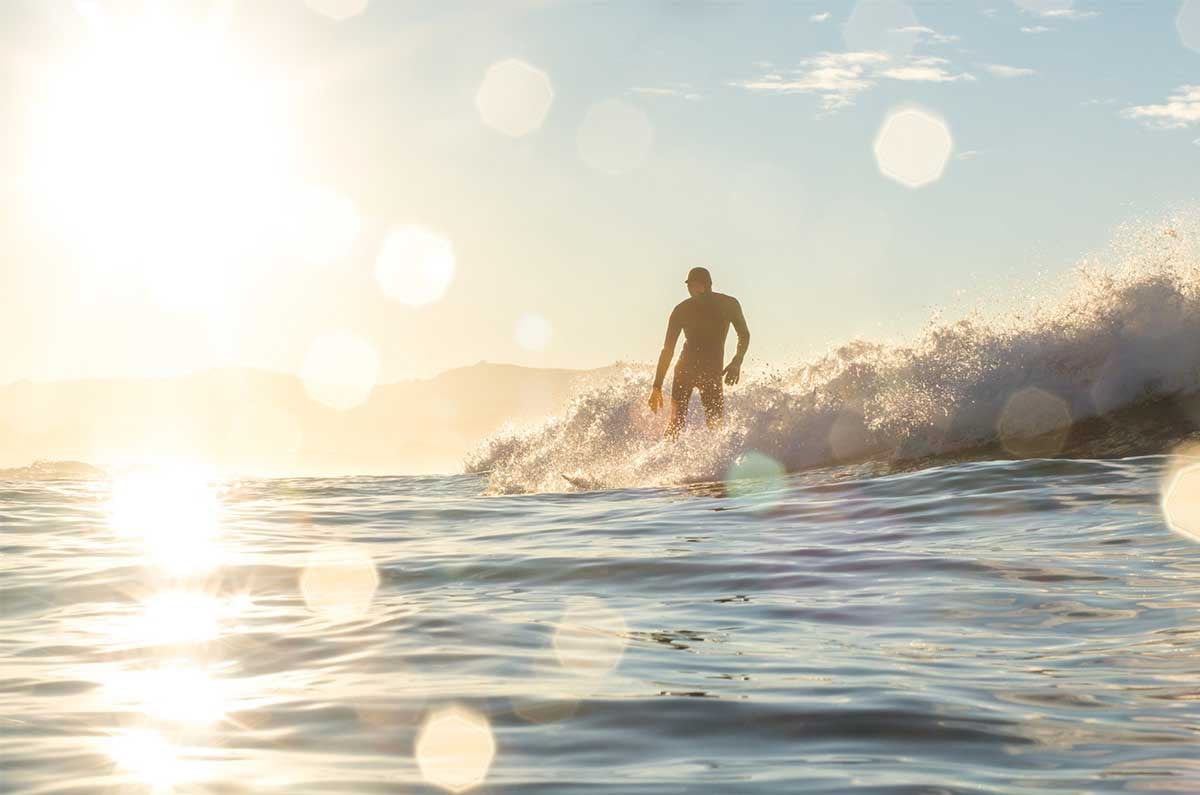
(839, 77)
(821, 17)
(683, 92)
(836, 77)
(1037, 29)
(967, 155)
(927, 33)
(927, 69)
(1067, 13)
(1000, 70)
(1182, 109)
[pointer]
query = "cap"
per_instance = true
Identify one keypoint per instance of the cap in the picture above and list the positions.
(699, 275)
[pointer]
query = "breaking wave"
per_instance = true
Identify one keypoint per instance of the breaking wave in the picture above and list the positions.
(1109, 364)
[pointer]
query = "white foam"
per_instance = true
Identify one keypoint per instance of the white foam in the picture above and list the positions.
(1126, 326)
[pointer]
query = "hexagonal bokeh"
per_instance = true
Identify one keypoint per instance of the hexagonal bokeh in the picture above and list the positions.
(913, 147)
(757, 478)
(340, 370)
(339, 582)
(1034, 423)
(514, 97)
(533, 332)
(415, 266)
(887, 26)
(1181, 501)
(338, 10)
(547, 708)
(590, 638)
(752, 465)
(1188, 24)
(849, 437)
(455, 749)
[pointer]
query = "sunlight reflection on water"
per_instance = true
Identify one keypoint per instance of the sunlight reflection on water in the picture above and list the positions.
(148, 756)
(512, 644)
(174, 512)
(178, 692)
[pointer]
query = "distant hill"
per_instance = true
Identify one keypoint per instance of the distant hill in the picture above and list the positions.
(257, 422)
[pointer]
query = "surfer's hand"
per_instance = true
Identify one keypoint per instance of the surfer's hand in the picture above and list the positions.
(656, 399)
(733, 372)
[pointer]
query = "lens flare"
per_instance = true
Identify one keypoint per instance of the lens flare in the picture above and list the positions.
(913, 147)
(340, 370)
(590, 638)
(514, 97)
(1188, 24)
(533, 332)
(849, 437)
(1181, 495)
(758, 478)
(1034, 423)
(455, 749)
(415, 266)
(339, 582)
(547, 708)
(615, 137)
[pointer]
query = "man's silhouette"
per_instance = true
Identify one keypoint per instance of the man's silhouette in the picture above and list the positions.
(704, 320)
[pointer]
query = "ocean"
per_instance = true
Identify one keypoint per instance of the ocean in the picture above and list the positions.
(994, 626)
(964, 563)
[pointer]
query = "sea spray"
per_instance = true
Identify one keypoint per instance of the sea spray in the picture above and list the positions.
(1125, 328)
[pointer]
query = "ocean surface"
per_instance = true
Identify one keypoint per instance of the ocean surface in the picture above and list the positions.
(1013, 626)
(965, 562)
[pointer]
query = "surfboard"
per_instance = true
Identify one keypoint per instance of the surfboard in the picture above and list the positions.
(579, 482)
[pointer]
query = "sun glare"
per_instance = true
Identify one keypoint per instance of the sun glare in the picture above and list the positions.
(177, 692)
(148, 756)
(179, 617)
(173, 513)
(154, 148)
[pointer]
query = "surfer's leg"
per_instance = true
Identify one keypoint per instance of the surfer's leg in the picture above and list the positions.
(681, 393)
(712, 397)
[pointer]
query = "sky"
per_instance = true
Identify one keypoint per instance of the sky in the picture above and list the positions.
(402, 187)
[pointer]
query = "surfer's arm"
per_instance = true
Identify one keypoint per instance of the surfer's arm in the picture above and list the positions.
(743, 333)
(674, 326)
(668, 351)
(734, 371)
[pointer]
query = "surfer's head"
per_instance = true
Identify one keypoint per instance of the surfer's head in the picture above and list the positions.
(699, 281)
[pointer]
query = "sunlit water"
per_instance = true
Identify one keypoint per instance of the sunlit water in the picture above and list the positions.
(1017, 627)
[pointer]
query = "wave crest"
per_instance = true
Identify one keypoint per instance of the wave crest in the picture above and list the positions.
(1126, 329)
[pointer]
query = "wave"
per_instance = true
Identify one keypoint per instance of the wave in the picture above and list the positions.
(1107, 364)
(54, 470)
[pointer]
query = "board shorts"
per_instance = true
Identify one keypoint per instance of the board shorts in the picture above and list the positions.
(712, 396)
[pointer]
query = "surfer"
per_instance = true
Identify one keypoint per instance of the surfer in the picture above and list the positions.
(704, 319)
